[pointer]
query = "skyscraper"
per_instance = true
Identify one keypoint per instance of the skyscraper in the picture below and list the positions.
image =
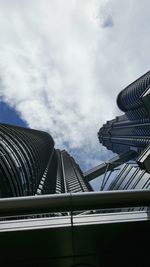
(31, 165)
(48, 217)
(130, 131)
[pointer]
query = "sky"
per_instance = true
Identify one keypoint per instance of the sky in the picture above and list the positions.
(63, 62)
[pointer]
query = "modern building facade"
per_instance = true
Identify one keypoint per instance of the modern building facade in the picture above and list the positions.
(130, 132)
(132, 129)
(49, 217)
(30, 165)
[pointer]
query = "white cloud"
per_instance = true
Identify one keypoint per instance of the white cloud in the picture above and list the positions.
(62, 64)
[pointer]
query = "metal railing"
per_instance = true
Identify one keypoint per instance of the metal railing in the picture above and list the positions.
(73, 202)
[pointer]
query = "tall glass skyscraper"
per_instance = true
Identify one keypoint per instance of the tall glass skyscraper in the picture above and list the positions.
(49, 217)
(130, 131)
(30, 165)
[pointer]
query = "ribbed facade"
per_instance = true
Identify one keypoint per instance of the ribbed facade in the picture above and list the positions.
(130, 99)
(29, 165)
(128, 178)
(131, 130)
(69, 176)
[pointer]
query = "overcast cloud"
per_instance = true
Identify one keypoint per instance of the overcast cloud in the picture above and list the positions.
(63, 62)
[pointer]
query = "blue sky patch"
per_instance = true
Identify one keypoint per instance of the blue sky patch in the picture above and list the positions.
(10, 116)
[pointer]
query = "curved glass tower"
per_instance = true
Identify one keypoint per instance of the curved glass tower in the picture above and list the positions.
(29, 165)
(131, 130)
(48, 228)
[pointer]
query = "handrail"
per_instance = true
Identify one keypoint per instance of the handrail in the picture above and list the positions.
(74, 202)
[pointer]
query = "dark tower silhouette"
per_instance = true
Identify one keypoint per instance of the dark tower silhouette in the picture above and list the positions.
(31, 165)
(131, 130)
(58, 222)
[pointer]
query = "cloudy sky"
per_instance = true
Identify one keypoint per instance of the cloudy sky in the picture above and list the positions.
(63, 62)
